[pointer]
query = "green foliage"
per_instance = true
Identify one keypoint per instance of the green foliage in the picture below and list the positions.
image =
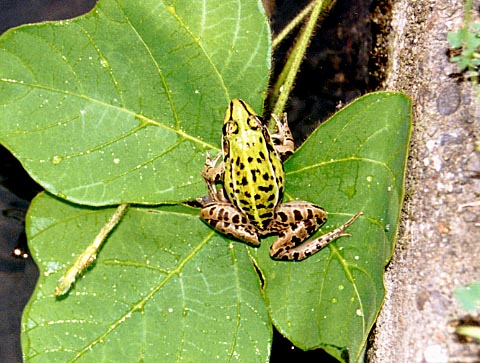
(469, 297)
(120, 105)
(165, 288)
(165, 285)
(137, 96)
(353, 162)
(468, 40)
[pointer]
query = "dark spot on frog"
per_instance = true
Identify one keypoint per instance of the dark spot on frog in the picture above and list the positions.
(298, 215)
(296, 240)
(266, 215)
(309, 214)
(265, 189)
(245, 205)
(271, 198)
(293, 226)
(283, 217)
(311, 230)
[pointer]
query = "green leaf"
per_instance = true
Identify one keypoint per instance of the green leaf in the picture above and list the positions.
(158, 292)
(457, 38)
(167, 288)
(469, 297)
(120, 105)
(353, 162)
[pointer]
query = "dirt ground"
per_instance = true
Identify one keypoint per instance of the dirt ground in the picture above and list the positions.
(438, 247)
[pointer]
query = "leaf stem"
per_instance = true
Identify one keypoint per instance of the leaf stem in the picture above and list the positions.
(292, 25)
(89, 255)
(285, 81)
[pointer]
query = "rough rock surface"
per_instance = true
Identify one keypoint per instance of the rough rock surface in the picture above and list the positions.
(438, 247)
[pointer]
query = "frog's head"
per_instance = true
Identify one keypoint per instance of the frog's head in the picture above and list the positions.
(240, 121)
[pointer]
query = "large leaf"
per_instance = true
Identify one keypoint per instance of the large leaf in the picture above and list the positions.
(119, 105)
(354, 162)
(167, 288)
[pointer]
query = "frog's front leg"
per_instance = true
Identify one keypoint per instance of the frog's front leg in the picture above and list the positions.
(211, 171)
(225, 218)
(213, 174)
(295, 222)
(283, 139)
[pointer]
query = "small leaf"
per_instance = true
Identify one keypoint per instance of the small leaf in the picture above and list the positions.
(119, 105)
(469, 297)
(456, 39)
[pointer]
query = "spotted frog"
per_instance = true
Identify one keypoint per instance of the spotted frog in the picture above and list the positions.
(249, 206)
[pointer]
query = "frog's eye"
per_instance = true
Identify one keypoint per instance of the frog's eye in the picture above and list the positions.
(230, 127)
(254, 122)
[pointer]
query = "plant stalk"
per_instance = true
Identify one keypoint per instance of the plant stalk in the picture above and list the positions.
(89, 255)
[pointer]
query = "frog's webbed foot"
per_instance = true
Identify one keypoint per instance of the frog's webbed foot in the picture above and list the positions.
(305, 221)
(225, 218)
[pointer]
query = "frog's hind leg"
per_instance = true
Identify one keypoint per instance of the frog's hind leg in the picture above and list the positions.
(298, 221)
(225, 218)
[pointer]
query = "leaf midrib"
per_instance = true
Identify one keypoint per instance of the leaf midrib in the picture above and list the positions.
(145, 121)
(139, 305)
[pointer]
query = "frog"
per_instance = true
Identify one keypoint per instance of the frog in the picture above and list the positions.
(248, 205)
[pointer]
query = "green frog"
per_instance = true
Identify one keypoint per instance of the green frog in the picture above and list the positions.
(249, 206)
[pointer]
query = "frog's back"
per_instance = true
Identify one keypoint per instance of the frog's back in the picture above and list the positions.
(254, 176)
